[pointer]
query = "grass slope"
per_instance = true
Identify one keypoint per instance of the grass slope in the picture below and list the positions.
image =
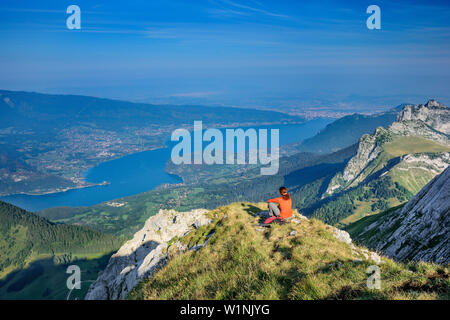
(409, 176)
(34, 249)
(412, 177)
(46, 279)
(357, 227)
(241, 262)
(409, 145)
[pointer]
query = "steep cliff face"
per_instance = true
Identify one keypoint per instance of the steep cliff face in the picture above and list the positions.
(418, 131)
(141, 256)
(369, 148)
(418, 231)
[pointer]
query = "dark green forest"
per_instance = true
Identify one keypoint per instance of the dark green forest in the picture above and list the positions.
(23, 233)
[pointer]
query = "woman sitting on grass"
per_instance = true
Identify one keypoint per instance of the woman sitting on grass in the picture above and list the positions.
(280, 208)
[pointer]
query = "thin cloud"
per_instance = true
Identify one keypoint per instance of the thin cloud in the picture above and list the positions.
(32, 10)
(194, 94)
(233, 7)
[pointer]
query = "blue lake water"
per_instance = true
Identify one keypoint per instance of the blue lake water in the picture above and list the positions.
(138, 173)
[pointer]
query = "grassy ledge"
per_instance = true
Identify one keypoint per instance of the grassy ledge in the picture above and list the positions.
(244, 262)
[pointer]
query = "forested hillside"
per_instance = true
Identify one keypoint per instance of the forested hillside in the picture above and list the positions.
(25, 237)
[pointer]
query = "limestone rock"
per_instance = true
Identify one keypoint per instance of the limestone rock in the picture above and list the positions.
(418, 231)
(359, 253)
(342, 236)
(141, 256)
(432, 113)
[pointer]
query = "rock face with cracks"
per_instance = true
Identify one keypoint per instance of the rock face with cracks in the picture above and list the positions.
(418, 231)
(433, 113)
(141, 256)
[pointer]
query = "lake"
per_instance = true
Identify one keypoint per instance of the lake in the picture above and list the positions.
(138, 173)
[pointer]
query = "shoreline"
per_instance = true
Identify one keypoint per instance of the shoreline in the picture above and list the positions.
(104, 183)
(85, 171)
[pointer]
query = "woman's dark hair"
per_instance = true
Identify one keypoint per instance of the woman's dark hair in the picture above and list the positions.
(287, 196)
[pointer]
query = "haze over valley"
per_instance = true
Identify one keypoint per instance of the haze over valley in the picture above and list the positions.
(147, 148)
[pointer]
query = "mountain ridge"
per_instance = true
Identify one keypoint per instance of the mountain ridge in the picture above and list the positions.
(230, 257)
(346, 131)
(411, 121)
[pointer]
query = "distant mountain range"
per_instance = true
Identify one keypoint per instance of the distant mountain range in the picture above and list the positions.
(347, 131)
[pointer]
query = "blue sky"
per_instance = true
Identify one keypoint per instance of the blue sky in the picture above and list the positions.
(233, 52)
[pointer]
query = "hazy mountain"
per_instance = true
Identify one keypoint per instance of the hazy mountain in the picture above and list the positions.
(347, 131)
(38, 110)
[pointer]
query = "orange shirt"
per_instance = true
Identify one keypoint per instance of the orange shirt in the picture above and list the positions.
(285, 206)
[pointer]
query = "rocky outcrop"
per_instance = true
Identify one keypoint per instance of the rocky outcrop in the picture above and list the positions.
(418, 231)
(434, 163)
(430, 121)
(368, 149)
(163, 234)
(143, 255)
(359, 253)
(419, 129)
(433, 113)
